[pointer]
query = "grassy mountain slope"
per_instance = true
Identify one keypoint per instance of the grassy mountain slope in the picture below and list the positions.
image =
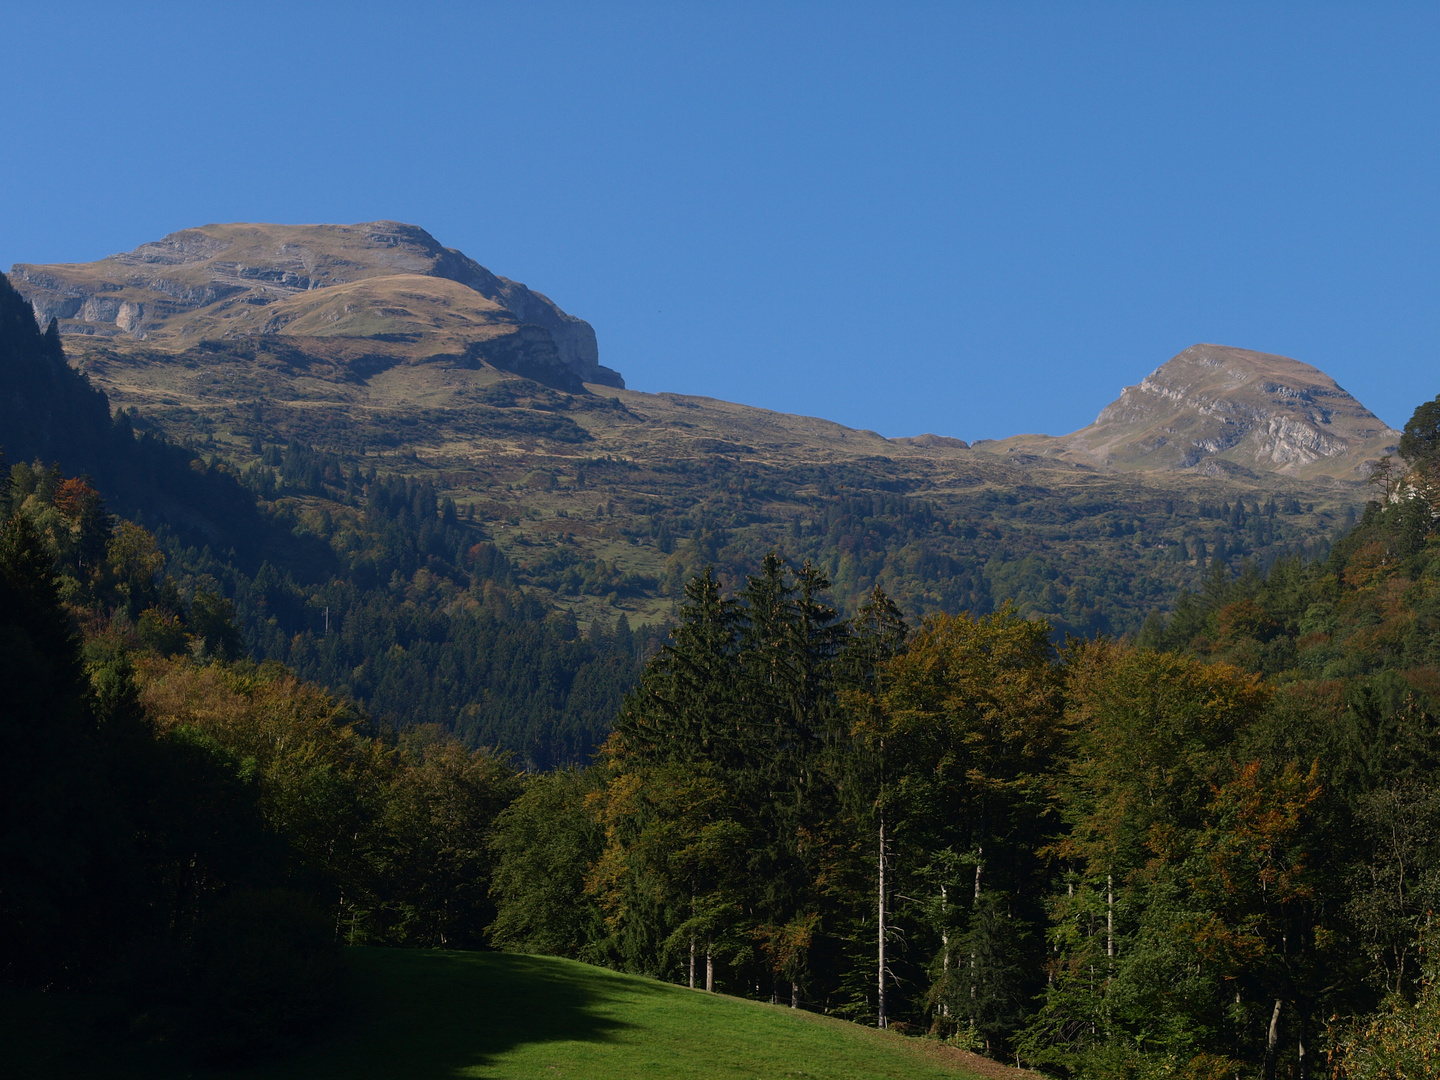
(605, 500)
(384, 351)
(496, 1015)
(381, 279)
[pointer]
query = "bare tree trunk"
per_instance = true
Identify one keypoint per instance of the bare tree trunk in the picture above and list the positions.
(945, 951)
(1272, 1042)
(1110, 917)
(692, 961)
(1303, 1073)
(794, 994)
(880, 1018)
(975, 903)
(709, 970)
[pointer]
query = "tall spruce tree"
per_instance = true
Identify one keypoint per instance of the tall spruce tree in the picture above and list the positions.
(790, 640)
(665, 877)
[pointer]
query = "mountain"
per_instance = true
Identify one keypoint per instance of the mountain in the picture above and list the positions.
(363, 297)
(310, 358)
(1218, 410)
(467, 650)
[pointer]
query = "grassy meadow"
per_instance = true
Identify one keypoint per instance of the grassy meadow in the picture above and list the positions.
(426, 1015)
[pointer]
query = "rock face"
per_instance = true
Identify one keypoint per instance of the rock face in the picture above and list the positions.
(932, 442)
(1216, 409)
(386, 283)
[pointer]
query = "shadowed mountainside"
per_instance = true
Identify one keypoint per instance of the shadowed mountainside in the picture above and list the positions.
(51, 413)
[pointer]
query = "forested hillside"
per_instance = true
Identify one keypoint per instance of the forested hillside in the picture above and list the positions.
(1214, 860)
(606, 501)
(382, 592)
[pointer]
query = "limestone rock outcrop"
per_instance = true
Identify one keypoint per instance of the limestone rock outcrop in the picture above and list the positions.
(1216, 409)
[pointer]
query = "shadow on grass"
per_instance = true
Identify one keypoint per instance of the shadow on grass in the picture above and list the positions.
(426, 1015)
(410, 1015)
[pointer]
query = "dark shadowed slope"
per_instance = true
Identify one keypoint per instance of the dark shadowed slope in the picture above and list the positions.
(51, 413)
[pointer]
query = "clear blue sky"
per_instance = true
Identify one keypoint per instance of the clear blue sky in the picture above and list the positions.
(974, 220)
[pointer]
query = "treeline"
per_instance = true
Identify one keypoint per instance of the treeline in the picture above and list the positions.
(1208, 853)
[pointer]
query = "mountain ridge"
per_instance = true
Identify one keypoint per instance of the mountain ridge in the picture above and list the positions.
(361, 299)
(605, 499)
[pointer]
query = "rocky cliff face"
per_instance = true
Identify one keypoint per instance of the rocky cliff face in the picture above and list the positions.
(224, 281)
(1216, 409)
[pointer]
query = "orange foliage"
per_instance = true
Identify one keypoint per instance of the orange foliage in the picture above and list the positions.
(1371, 564)
(73, 497)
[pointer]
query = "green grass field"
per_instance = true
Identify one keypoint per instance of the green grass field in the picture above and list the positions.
(432, 1015)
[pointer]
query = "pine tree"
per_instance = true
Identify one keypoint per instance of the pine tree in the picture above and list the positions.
(665, 876)
(789, 643)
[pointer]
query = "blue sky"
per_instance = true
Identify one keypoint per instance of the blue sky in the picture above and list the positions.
(974, 220)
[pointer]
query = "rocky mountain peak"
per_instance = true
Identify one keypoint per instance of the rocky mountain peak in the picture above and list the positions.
(1218, 409)
(383, 281)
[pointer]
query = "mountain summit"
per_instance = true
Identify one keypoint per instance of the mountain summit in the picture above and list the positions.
(356, 295)
(1221, 410)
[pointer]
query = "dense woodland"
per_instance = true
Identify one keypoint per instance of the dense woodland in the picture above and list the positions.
(1209, 851)
(422, 620)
